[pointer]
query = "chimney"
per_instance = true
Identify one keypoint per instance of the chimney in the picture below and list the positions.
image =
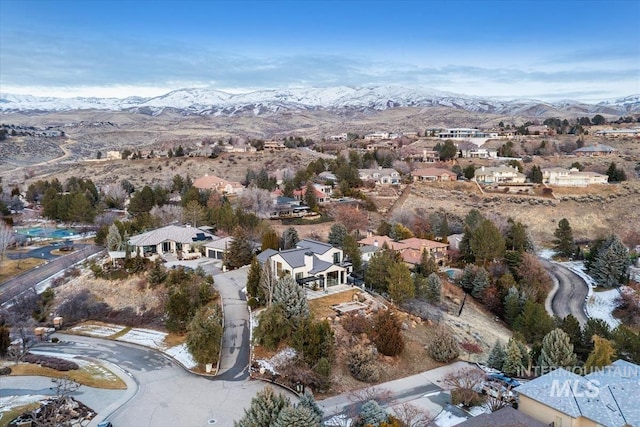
(308, 261)
(375, 243)
(482, 168)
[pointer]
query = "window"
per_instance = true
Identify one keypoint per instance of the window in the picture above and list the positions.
(336, 258)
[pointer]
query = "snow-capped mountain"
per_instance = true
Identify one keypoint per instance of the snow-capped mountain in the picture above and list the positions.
(335, 99)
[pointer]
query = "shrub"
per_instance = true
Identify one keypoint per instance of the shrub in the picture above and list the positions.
(55, 340)
(314, 340)
(388, 333)
(51, 362)
(362, 364)
(356, 324)
(5, 371)
(466, 397)
(273, 327)
(253, 303)
(443, 347)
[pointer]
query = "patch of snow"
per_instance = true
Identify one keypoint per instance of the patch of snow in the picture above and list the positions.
(9, 403)
(100, 331)
(601, 306)
(546, 253)
(145, 337)
(447, 419)
(181, 354)
(479, 410)
(277, 360)
(339, 421)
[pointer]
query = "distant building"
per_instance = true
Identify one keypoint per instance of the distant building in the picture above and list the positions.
(542, 130)
(433, 175)
(619, 133)
(114, 155)
(595, 150)
(340, 137)
(382, 176)
(499, 175)
(410, 249)
(212, 182)
(465, 133)
(274, 145)
(572, 177)
(376, 136)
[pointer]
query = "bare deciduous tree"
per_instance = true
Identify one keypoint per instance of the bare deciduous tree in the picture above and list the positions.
(257, 200)
(6, 238)
(352, 218)
(412, 416)
(268, 282)
(167, 214)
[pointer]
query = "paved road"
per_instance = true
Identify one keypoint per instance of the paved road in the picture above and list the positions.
(234, 361)
(19, 284)
(570, 294)
(162, 394)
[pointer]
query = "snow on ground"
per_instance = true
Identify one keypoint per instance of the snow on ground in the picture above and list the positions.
(601, 306)
(145, 337)
(279, 359)
(11, 402)
(546, 253)
(100, 331)
(447, 419)
(182, 355)
(579, 268)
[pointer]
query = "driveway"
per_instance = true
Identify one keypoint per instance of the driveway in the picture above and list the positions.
(234, 361)
(161, 394)
(569, 294)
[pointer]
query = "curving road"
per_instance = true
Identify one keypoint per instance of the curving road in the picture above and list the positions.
(160, 392)
(21, 283)
(569, 294)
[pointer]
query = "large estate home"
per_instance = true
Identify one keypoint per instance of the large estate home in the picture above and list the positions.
(498, 175)
(410, 249)
(172, 240)
(572, 177)
(595, 150)
(311, 263)
(212, 182)
(383, 176)
(607, 397)
(433, 174)
(465, 133)
(619, 133)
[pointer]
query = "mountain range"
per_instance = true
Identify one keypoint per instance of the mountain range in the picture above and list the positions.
(339, 100)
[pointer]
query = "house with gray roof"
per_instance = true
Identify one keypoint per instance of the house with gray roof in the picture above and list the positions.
(179, 241)
(504, 417)
(595, 150)
(606, 397)
(311, 263)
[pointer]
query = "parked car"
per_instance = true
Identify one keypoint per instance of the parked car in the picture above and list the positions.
(105, 424)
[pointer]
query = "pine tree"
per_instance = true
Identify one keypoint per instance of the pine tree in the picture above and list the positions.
(399, 283)
(443, 347)
(571, 327)
(372, 415)
(524, 352)
(270, 240)
(563, 244)
(352, 252)
(513, 359)
(337, 234)
(427, 264)
(292, 297)
(602, 354)
(203, 336)
(480, 283)
(296, 416)
(310, 198)
(487, 243)
(511, 305)
(557, 350)
(533, 322)
(264, 410)
(289, 238)
(239, 251)
(496, 356)
(433, 288)
(609, 267)
(388, 333)
(466, 280)
(253, 280)
(307, 401)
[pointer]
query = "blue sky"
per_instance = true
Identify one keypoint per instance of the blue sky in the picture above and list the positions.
(586, 50)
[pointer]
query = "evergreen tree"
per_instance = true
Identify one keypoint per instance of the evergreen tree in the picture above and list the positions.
(310, 198)
(602, 354)
(487, 243)
(513, 359)
(253, 280)
(571, 327)
(337, 235)
(399, 283)
(615, 174)
(627, 344)
(517, 238)
(433, 288)
(524, 352)
(496, 356)
(240, 250)
(533, 322)
(292, 297)
(203, 336)
(372, 415)
(264, 409)
(427, 264)
(443, 347)
(5, 340)
(114, 239)
(535, 175)
(307, 401)
(297, 416)
(352, 252)
(376, 274)
(289, 238)
(388, 333)
(563, 244)
(466, 280)
(480, 283)
(610, 264)
(557, 350)
(270, 240)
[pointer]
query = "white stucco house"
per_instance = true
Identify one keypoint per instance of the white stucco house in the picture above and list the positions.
(383, 176)
(176, 240)
(572, 177)
(498, 175)
(311, 263)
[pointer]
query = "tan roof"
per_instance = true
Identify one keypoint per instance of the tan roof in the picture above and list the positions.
(209, 182)
(432, 172)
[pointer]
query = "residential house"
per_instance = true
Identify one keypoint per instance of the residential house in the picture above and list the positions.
(433, 174)
(218, 247)
(619, 133)
(542, 130)
(377, 136)
(572, 177)
(328, 176)
(114, 155)
(287, 207)
(595, 150)
(212, 182)
(414, 153)
(339, 137)
(469, 150)
(322, 192)
(382, 145)
(174, 240)
(383, 176)
(607, 397)
(461, 133)
(274, 145)
(503, 417)
(311, 263)
(499, 175)
(410, 249)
